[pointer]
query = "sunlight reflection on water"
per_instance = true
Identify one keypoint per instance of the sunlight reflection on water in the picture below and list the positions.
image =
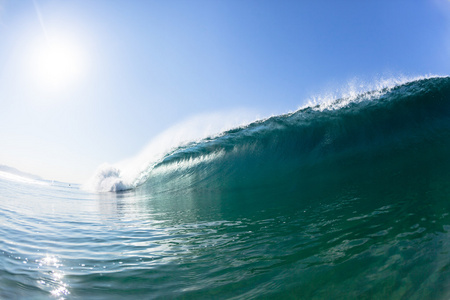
(52, 277)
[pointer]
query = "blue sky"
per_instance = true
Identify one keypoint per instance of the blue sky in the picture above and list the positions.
(140, 67)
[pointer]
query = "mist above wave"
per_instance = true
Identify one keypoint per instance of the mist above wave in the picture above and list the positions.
(130, 172)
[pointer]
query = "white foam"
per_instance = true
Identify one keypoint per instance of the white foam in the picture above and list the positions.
(106, 178)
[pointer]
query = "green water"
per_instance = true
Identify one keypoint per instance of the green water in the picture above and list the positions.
(346, 203)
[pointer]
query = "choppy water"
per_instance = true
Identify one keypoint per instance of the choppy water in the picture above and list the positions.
(345, 201)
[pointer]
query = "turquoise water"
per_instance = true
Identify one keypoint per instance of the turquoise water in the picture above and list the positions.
(345, 201)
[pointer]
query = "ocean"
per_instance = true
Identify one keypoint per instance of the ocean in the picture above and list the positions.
(342, 200)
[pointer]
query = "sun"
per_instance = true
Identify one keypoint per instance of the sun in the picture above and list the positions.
(57, 63)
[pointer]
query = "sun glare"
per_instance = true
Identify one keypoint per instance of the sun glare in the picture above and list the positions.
(57, 63)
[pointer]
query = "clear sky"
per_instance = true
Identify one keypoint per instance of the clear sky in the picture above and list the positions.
(88, 82)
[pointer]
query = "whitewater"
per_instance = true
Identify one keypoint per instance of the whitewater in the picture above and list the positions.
(345, 198)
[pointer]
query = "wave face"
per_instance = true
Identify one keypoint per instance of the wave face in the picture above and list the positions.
(388, 134)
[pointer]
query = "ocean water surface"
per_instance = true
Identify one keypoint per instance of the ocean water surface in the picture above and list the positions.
(349, 200)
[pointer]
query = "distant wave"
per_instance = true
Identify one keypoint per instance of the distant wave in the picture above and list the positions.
(16, 172)
(400, 119)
